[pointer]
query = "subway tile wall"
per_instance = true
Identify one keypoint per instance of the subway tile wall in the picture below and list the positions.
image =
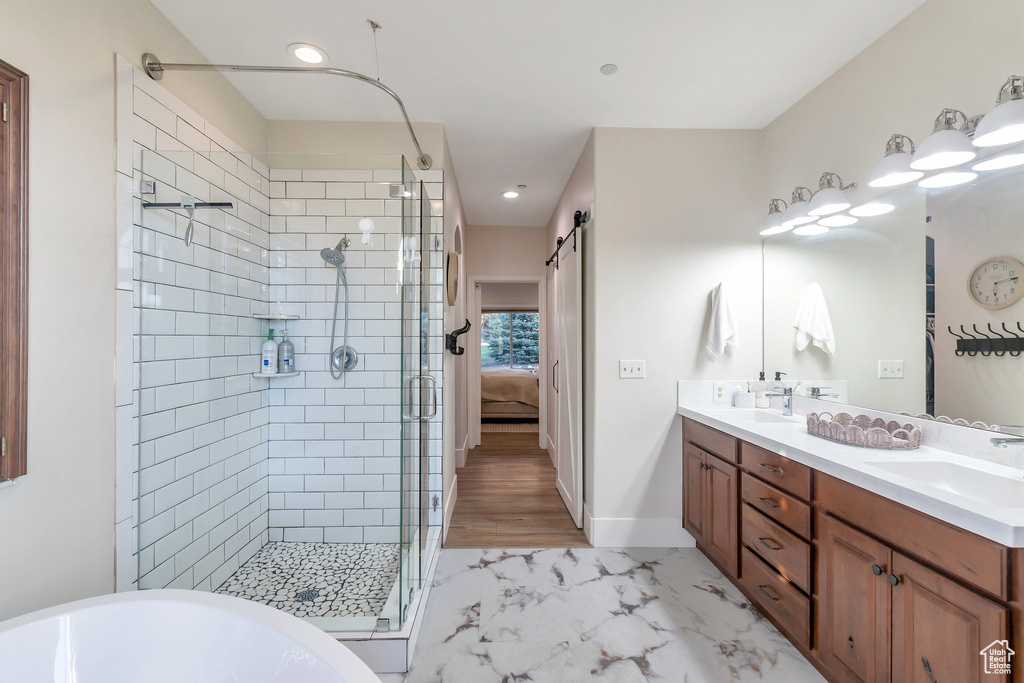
(212, 462)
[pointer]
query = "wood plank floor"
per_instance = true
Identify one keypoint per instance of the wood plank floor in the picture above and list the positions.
(507, 498)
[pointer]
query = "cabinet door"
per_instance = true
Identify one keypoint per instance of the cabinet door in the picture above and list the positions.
(940, 628)
(694, 466)
(853, 603)
(721, 533)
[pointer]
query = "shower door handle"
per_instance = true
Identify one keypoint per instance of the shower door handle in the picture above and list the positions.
(554, 377)
(407, 399)
(433, 396)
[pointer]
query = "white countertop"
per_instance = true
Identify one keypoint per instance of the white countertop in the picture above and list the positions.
(788, 436)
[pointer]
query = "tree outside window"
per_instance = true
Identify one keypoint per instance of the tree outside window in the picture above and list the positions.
(510, 339)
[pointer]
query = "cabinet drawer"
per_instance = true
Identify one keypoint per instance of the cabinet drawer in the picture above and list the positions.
(785, 509)
(790, 608)
(777, 470)
(786, 552)
(711, 440)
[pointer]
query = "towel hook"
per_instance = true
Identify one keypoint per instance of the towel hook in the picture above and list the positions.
(1014, 345)
(960, 343)
(985, 341)
(970, 344)
(998, 345)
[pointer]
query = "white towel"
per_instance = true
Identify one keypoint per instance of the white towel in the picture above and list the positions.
(722, 329)
(813, 324)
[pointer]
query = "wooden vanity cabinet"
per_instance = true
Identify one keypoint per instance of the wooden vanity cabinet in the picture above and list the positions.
(711, 494)
(866, 588)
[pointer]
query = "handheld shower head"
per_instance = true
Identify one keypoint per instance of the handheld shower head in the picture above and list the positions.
(333, 256)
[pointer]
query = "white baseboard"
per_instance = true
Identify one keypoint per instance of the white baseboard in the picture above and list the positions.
(633, 532)
(460, 453)
(552, 450)
(588, 524)
(449, 503)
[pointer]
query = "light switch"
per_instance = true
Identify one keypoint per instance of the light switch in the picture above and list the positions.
(631, 369)
(890, 369)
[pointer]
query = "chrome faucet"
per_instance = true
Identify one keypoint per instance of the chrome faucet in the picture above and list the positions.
(787, 401)
(1004, 441)
(815, 392)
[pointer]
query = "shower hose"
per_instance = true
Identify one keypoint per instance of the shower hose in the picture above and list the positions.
(342, 280)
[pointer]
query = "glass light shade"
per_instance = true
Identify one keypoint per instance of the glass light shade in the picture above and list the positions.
(871, 209)
(1003, 125)
(893, 170)
(948, 179)
(772, 225)
(811, 229)
(999, 161)
(828, 201)
(837, 221)
(943, 149)
(796, 215)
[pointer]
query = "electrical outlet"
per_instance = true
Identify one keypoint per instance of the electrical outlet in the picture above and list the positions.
(631, 369)
(890, 369)
(721, 395)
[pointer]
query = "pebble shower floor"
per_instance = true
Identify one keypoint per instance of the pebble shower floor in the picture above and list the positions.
(318, 579)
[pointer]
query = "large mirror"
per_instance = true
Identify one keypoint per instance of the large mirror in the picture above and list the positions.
(875, 301)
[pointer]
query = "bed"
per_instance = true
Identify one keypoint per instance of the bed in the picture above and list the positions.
(509, 394)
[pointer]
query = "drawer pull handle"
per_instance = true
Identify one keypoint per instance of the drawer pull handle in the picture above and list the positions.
(876, 570)
(764, 589)
(770, 544)
(894, 580)
(771, 468)
(769, 502)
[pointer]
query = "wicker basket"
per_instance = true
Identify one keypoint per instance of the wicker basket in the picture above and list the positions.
(864, 431)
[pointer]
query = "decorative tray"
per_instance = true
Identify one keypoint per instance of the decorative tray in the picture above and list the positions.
(864, 431)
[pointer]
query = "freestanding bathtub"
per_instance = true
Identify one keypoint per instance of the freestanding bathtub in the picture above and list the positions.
(171, 636)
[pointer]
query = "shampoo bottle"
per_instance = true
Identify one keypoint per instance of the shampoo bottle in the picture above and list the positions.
(269, 366)
(285, 355)
(760, 389)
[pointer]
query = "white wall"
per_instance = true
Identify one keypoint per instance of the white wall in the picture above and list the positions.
(61, 547)
(662, 242)
(504, 250)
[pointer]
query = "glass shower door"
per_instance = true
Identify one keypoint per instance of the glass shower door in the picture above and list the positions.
(419, 399)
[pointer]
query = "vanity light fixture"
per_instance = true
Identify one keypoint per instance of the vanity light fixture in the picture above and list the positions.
(310, 54)
(837, 220)
(811, 229)
(946, 146)
(947, 179)
(797, 214)
(999, 161)
(871, 209)
(1004, 125)
(772, 224)
(830, 197)
(894, 168)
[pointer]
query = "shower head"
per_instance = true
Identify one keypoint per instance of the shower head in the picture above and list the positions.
(333, 256)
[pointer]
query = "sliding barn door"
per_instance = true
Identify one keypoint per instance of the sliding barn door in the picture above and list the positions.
(569, 380)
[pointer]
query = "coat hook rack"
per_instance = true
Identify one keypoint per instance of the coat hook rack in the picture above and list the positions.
(992, 343)
(452, 339)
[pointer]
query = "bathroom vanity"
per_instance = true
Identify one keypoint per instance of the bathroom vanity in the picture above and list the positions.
(862, 558)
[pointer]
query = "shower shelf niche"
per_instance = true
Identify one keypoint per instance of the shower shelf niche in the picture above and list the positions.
(275, 316)
(276, 374)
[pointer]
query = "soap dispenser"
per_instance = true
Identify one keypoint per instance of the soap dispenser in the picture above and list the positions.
(269, 362)
(760, 389)
(285, 355)
(777, 386)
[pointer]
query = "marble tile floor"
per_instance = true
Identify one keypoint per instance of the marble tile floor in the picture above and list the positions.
(594, 614)
(318, 579)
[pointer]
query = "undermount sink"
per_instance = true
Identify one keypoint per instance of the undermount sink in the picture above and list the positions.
(760, 415)
(977, 485)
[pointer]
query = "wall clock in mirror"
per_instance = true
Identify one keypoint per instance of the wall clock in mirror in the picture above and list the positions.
(996, 282)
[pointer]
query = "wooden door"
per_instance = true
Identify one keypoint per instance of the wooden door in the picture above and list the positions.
(940, 628)
(721, 532)
(569, 452)
(854, 603)
(694, 466)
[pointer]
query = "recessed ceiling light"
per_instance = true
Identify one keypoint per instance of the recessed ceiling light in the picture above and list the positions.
(521, 187)
(609, 69)
(510, 194)
(310, 54)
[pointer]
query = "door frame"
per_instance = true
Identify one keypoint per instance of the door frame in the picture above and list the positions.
(473, 375)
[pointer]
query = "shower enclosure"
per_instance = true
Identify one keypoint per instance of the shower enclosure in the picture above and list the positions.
(315, 495)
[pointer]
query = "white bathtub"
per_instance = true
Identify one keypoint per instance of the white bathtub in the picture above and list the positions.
(171, 636)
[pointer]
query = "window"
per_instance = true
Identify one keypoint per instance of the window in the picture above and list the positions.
(13, 270)
(510, 339)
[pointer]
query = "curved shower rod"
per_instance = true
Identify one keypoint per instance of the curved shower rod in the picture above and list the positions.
(155, 69)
